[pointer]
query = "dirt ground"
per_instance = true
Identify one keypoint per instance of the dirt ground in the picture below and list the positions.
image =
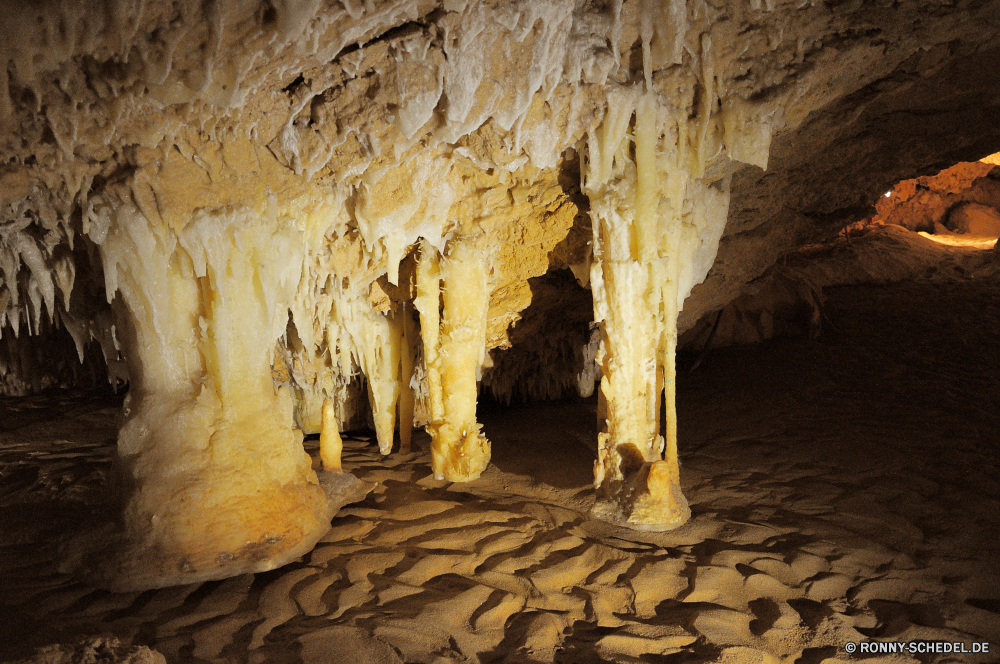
(842, 489)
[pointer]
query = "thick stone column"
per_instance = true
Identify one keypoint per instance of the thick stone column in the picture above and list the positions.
(655, 225)
(216, 481)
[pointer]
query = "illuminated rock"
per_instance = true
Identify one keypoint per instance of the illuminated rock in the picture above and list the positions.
(280, 219)
(935, 203)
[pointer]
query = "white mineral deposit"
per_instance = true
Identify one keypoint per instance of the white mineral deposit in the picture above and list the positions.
(498, 331)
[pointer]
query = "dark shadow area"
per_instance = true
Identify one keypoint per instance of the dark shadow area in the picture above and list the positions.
(547, 342)
(565, 429)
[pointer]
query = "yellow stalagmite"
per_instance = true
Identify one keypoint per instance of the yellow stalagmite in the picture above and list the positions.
(330, 444)
(406, 400)
(657, 220)
(454, 351)
(217, 480)
(645, 240)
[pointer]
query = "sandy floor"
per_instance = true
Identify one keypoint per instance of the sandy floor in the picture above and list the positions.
(842, 489)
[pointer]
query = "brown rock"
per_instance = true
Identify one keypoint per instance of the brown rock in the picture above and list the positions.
(974, 219)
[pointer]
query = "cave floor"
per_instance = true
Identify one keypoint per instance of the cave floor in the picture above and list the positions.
(841, 489)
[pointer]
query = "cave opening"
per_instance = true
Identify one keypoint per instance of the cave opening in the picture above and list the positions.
(957, 206)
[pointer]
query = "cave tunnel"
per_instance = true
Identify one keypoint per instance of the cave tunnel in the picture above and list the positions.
(467, 331)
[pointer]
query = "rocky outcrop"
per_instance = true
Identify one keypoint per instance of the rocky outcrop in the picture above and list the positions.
(787, 300)
(974, 219)
(310, 192)
(961, 199)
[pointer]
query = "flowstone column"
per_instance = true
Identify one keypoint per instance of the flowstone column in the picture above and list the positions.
(654, 224)
(454, 351)
(217, 482)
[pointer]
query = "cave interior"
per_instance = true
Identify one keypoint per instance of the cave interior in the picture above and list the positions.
(473, 331)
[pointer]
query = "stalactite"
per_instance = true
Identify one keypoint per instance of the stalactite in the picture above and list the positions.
(378, 342)
(406, 397)
(317, 356)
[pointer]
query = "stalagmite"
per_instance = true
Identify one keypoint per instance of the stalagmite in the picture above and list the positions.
(406, 400)
(330, 444)
(219, 482)
(454, 352)
(655, 225)
(627, 283)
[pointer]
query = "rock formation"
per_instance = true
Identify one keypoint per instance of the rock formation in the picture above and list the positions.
(963, 199)
(958, 206)
(276, 218)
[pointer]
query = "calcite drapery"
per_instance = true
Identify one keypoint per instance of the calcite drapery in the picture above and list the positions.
(657, 221)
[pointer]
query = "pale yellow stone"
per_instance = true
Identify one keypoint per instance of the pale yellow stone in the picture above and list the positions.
(330, 444)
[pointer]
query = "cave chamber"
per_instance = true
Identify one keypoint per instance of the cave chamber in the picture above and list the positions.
(271, 221)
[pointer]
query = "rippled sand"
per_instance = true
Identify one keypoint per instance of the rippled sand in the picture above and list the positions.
(841, 489)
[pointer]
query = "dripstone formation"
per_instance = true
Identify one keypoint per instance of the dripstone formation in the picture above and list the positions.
(272, 219)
